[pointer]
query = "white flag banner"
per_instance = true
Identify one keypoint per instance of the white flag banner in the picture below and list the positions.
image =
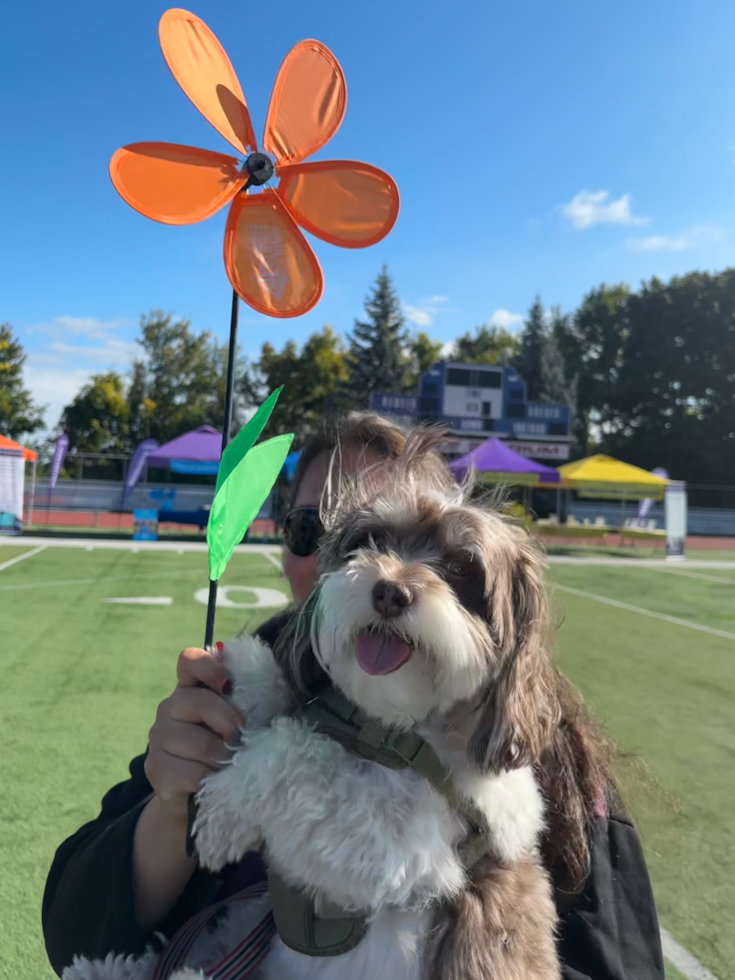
(12, 473)
(675, 510)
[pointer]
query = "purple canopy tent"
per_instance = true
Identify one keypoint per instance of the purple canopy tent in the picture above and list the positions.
(502, 465)
(196, 452)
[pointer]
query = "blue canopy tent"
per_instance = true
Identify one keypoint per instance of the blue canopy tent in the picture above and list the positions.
(198, 453)
(289, 466)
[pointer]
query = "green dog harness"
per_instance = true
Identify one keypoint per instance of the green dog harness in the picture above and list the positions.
(333, 931)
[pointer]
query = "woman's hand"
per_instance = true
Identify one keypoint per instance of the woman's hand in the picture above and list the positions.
(192, 730)
(188, 739)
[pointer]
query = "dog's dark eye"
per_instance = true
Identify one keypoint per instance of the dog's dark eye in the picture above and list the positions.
(359, 541)
(460, 567)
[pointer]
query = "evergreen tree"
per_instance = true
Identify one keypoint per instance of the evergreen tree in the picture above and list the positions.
(556, 383)
(376, 358)
(19, 415)
(528, 363)
(558, 387)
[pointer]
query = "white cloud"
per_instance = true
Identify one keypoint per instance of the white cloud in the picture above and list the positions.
(422, 315)
(53, 387)
(56, 369)
(676, 243)
(506, 320)
(659, 243)
(446, 351)
(115, 353)
(86, 326)
(589, 208)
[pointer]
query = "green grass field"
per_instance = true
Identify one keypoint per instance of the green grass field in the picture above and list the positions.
(82, 679)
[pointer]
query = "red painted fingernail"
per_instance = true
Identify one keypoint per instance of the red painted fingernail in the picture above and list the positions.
(227, 688)
(218, 650)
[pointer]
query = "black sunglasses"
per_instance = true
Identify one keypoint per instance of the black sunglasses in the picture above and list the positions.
(302, 530)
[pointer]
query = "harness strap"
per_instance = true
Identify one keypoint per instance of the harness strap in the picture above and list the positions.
(329, 932)
(333, 715)
(332, 931)
(240, 962)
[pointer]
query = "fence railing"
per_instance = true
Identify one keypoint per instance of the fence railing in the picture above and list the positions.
(99, 504)
(100, 499)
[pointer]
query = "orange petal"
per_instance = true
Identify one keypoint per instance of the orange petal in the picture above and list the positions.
(307, 103)
(177, 185)
(342, 202)
(269, 262)
(199, 64)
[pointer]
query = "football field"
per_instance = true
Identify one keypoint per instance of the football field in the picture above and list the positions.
(89, 638)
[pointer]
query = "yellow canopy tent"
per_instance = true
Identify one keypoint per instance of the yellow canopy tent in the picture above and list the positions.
(607, 478)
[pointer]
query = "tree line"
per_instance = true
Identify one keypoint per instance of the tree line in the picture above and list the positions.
(649, 374)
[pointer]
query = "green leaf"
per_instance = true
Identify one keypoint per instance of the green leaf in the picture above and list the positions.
(240, 496)
(245, 439)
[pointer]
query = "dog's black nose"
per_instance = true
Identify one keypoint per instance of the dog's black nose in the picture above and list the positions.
(391, 598)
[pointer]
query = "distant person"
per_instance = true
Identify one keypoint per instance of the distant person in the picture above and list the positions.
(125, 875)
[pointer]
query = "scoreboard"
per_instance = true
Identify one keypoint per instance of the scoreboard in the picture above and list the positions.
(480, 401)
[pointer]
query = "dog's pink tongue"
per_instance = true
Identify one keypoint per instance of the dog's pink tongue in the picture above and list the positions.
(380, 654)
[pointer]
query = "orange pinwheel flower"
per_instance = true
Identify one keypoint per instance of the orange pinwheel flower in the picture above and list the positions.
(269, 262)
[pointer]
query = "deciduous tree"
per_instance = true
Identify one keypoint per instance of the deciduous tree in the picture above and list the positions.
(97, 420)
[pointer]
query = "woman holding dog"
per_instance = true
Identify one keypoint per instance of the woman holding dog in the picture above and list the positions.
(126, 875)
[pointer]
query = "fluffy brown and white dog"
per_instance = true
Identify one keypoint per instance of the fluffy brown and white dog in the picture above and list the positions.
(430, 616)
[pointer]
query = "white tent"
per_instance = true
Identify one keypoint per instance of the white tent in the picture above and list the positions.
(12, 476)
(13, 458)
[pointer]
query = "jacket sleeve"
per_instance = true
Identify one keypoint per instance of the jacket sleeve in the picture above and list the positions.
(610, 931)
(88, 905)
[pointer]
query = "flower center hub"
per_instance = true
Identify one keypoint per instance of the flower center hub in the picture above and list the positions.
(258, 168)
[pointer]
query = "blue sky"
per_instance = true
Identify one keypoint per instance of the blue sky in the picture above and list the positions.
(538, 147)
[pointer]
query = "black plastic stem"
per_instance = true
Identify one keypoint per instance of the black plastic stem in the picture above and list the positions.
(229, 385)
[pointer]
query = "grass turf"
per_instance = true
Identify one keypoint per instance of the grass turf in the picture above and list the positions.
(665, 693)
(82, 679)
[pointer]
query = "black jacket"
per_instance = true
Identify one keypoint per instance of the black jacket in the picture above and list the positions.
(610, 932)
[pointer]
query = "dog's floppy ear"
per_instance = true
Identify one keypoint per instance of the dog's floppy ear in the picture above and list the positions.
(519, 710)
(294, 653)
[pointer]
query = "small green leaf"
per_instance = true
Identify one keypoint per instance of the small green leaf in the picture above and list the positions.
(241, 494)
(245, 439)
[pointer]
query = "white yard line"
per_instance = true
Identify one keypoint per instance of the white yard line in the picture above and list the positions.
(705, 578)
(683, 960)
(645, 612)
(58, 583)
(273, 560)
(142, 600)
(127, 544)
(641, 562)
(26, 554)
